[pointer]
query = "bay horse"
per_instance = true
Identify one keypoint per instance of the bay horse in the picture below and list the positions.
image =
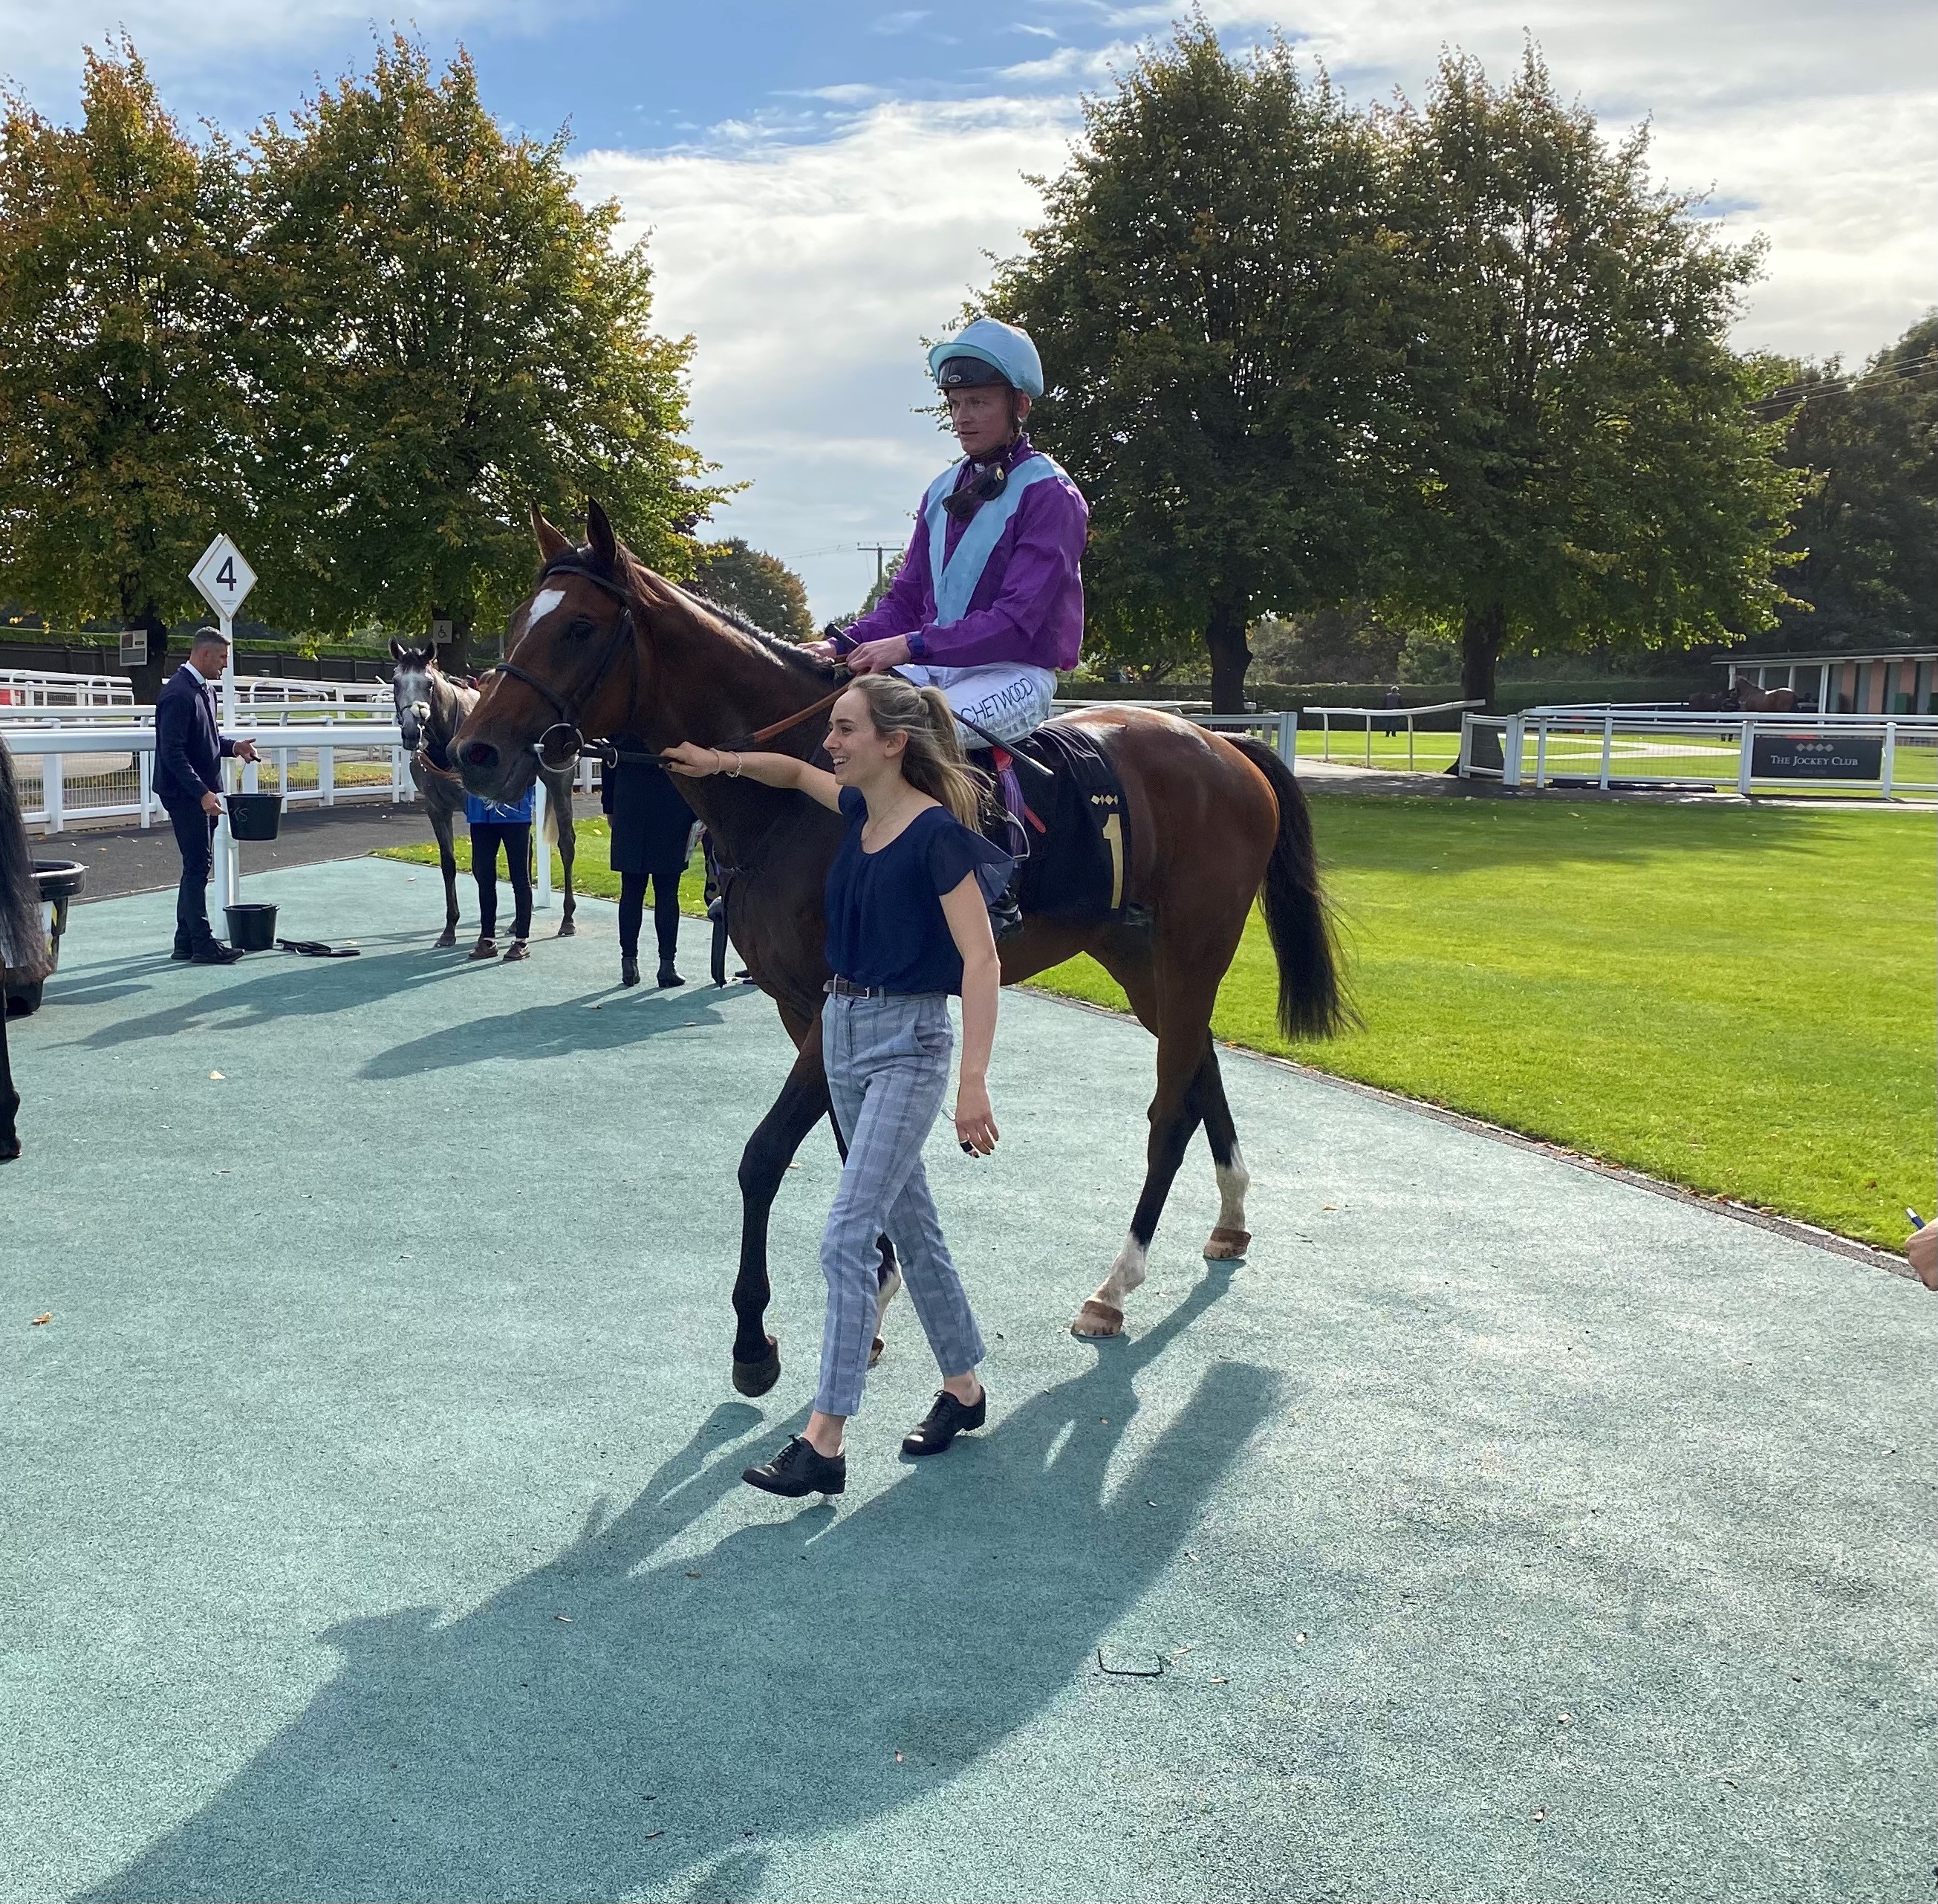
(604, 646)
(431, 708)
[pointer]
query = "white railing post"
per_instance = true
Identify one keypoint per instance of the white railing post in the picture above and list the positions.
(1409, 741)
(542, 886)
(51, 800)
(1608, 747)
(1463, 758)
(326, 776)
(1746, 744)
(1510, 747)
(1541, 753)
(144, 781)
(1325, 721)
(1890, 765)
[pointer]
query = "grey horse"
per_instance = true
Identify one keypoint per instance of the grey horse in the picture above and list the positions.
(431, 708)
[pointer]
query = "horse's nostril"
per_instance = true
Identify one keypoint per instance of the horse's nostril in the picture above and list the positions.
(480, 753)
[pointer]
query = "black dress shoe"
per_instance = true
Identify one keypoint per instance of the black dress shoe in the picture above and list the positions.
(214, 953)
(800, 1468)
(668, 977)
(947, 1418)
(181, 951)
(629, 969)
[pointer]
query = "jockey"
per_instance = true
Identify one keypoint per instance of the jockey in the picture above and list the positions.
(988, 602)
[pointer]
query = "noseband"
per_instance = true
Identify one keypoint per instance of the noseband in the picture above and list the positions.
(567, 723)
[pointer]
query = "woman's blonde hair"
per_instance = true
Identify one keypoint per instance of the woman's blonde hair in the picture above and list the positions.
(933, 759)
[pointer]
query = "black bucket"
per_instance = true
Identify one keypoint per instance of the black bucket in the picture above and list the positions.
(59, 881)
(251, 928)
(255, 816)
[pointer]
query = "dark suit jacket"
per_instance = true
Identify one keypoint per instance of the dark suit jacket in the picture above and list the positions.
(650, 821)
(189, 751)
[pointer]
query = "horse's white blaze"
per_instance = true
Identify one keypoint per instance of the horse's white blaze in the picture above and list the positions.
(543, 603)
(1234, 1180)
(1126, 1273)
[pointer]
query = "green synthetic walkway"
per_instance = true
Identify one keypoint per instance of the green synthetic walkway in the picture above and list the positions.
(373, 1528)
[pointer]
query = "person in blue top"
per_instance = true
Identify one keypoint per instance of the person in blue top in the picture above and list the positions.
(908, 924)
(495, 824)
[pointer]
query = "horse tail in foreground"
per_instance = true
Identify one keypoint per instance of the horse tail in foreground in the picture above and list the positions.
(1311, 1002)
(23, 939)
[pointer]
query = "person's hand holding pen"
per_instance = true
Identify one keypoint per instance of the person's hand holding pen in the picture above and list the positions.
(1921, 1251)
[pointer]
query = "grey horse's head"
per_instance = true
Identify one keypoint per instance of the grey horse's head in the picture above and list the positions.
(412, 690)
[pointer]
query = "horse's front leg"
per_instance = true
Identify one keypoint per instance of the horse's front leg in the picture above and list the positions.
(802, 1104)
(447, 860)
(568, 852)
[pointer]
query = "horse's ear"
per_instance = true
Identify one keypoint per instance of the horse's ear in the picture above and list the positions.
(551, 544)
(599, 533)
(396, 650)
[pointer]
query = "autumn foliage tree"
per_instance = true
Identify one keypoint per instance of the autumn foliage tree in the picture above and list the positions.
(758, 585)
(123, 428)
(449, 336)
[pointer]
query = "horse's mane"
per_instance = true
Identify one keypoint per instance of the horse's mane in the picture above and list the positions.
(649, 590)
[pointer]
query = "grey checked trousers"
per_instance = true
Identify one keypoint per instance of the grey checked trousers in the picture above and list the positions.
(887, 1068)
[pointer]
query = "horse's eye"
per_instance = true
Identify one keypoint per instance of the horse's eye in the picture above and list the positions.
(578, 628)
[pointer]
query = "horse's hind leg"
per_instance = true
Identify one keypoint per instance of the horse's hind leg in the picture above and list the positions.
(568, 852)
(1229, 1239)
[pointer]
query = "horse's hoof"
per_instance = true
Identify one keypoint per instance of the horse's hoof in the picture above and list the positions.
(567, 930)
(757, 1377)
(1097, 1321)
(448, 936)
(876, 1353)
(1227, 1245)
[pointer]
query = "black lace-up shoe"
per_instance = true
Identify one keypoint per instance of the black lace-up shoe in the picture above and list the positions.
(800, 1468)
(947, 1418)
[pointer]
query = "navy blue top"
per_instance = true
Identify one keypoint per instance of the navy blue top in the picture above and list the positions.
(885, 924)
(188, 749)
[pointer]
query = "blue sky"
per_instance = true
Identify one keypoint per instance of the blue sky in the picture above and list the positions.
(820, 183)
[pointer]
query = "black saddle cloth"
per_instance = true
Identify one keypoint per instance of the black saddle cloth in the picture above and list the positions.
(1078, 863)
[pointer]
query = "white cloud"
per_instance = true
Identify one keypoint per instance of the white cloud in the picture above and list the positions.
(809, 274)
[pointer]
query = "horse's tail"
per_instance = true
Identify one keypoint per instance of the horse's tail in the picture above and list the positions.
(1312, 1003)
(23, 939)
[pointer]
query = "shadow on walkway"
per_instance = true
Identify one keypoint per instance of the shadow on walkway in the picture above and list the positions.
(614, 1724)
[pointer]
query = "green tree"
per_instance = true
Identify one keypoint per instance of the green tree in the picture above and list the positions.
(1211, 291)
(123, 430)
(1588, 465)
(454, 337)
(1866, 536)
(760, 587)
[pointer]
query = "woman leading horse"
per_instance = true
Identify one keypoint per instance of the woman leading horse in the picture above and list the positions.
(604, 646)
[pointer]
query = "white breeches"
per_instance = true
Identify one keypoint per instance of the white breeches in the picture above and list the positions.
(1009, 698)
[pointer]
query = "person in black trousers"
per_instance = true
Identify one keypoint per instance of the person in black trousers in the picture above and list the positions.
(190, 749)
(652, 833)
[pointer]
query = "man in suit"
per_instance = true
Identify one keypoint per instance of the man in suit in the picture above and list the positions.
(190, 749)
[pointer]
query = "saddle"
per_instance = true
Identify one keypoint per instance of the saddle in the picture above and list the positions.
(1076, 824)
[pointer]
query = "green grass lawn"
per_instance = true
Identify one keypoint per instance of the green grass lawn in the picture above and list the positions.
(1433, 753)
(1739, 1001)
(592, 870)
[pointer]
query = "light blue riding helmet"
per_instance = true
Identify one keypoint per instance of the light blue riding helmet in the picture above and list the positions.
(992, 344)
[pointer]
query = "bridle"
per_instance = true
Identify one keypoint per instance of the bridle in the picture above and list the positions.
(622, 634)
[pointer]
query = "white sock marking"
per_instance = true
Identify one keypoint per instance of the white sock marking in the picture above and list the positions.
(1126, 1273)
(1234, 1180)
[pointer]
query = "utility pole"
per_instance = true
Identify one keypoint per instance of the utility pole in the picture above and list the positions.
(881, 551)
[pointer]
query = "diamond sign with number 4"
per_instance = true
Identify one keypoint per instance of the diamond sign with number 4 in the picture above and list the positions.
(223, 577)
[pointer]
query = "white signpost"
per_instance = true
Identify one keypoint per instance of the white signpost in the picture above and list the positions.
(223, 579)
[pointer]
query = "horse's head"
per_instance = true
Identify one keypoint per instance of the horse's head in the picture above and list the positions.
(574, 665)
(411, 690)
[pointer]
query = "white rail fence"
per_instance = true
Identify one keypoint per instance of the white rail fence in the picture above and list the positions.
(1644, 748)
(1390, 716)
(27, 691)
